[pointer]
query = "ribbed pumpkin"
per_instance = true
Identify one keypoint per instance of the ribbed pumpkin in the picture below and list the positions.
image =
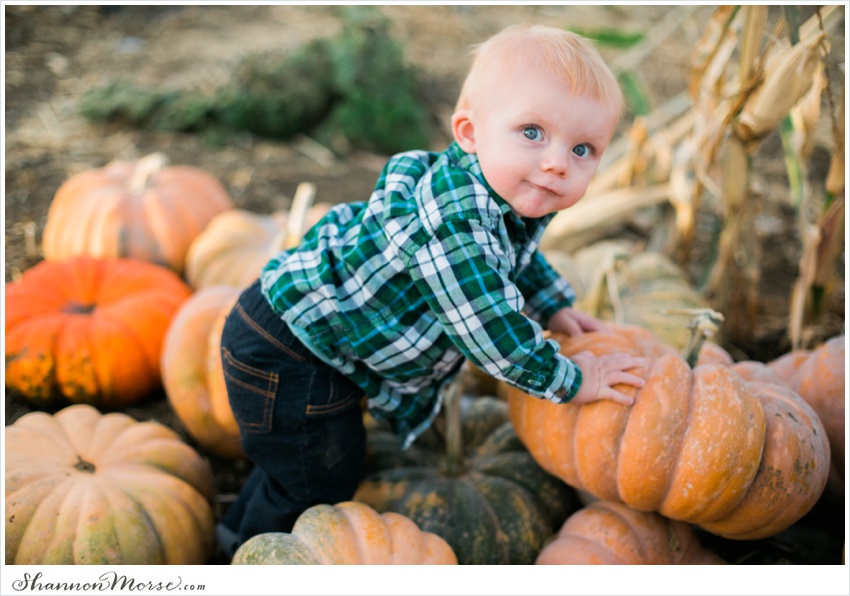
(192, 372)
(615, 281)
(89, 330)
(233, 248)
(347, 533)
(87, 488)
(236, 244)
(818, 375)
(730, 448)
(606, 533)
(142, 209)
(481, 491)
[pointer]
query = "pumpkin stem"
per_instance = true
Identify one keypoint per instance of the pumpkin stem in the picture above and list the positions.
(146, 167)
(706, 322)
(296, 219)
(454, 465)
(298, 212)
(74, 307)
(84, 466)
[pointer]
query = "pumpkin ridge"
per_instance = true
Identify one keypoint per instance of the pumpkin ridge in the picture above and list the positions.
(127, 539)
(633, 530)
(169, 207)
(22, 507)
(42, 519)
(601, 551)
(131, 335)
(525, 501)
(182, 513)
(686, 427)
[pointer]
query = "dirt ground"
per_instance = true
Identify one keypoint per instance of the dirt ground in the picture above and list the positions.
(54, 54)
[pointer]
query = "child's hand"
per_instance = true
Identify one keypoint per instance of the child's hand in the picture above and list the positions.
(600, 374)
(574, 322)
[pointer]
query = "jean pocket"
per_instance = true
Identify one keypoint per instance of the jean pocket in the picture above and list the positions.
(332, 394)
(251, 392)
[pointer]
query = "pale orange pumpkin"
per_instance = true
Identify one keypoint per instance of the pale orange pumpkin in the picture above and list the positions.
(143, 209)
(233, 248)
(607, 533)
(721, 446)
(818, 376)
(236, 244)
(348, 533)
(89, 330)
(87, 488)
(192, 372)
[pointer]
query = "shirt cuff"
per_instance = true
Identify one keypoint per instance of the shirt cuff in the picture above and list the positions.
(545, 303)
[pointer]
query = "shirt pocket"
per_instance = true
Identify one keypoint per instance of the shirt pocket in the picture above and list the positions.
(251, 392)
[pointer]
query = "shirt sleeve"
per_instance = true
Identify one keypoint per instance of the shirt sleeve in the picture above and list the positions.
(465, 277)
(544, 289)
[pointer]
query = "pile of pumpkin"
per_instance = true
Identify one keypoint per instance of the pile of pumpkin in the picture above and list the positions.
(142, 263)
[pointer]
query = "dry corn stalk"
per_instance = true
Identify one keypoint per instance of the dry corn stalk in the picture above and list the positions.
(788, 76)
(594, 216)
(835, 177)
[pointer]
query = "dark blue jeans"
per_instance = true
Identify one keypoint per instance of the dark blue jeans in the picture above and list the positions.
(300, 421)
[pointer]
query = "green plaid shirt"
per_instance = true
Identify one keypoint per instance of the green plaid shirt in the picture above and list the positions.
(395, 292)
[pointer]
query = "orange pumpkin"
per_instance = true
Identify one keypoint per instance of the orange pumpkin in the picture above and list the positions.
(192, 373)
(89, 330)
(818, 376)
(87, 488)
(348, 533)
(724, 447)
(142, 209)
(606, 533)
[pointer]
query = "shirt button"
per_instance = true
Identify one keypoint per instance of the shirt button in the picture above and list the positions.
(562, 393)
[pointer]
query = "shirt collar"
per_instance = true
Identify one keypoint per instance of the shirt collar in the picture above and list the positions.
(469, 162)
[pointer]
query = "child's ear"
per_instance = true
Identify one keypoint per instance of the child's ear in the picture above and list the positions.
(463, 130)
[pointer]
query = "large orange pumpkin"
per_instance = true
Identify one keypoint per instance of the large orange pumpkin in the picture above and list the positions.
(348, 533)
(606, 533)
(818, 376)
(192, 373)
(142, 209)
(730, 448)
(89, 330)
(86, 488)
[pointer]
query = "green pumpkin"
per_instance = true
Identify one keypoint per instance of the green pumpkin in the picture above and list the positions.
(481, 490)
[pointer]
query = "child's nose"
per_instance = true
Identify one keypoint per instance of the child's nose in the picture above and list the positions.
(555, 162)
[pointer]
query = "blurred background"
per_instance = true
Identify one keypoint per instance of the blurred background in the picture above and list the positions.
(723, 189)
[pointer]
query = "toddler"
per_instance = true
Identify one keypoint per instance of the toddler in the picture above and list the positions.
(386, 298)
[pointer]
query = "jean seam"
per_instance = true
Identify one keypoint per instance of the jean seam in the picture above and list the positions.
(268, 394)
(271, 339)
(329, 409)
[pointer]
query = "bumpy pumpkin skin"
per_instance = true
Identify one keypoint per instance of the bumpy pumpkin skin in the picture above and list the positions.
(498, 510)
(141, 209)
(607, 533)
(707, 446)
(818, 376)
(348, 533)
(192, 373)
(89, 330)
(85, 488)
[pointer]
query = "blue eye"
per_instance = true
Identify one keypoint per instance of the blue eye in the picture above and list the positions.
(581, 150)
(532, 133)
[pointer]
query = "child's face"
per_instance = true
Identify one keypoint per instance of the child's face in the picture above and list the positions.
(537, 143)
